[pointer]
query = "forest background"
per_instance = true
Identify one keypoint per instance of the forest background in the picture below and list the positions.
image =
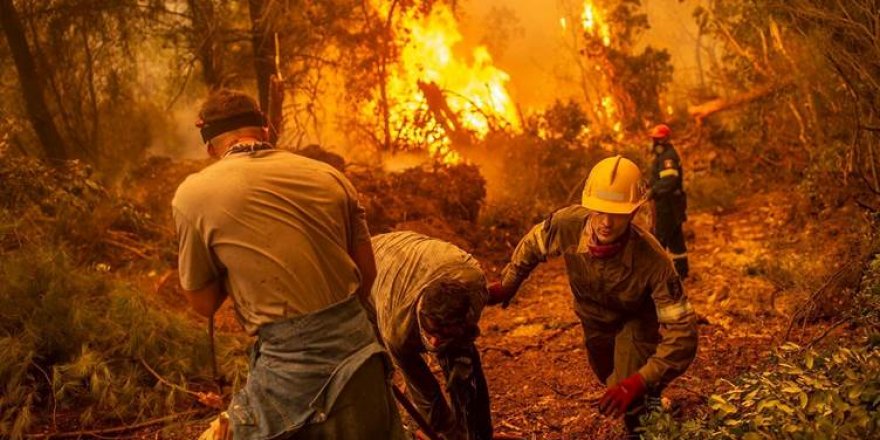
(774, 105)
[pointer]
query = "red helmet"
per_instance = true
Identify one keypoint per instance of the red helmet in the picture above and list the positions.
(660, 131)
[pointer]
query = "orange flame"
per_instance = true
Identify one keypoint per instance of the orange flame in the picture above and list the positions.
(595, 24)
(595, 41)
(474, 90)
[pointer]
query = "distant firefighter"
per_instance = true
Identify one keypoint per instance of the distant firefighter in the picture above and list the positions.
(428, 296)
(639, 327)
(670, 200)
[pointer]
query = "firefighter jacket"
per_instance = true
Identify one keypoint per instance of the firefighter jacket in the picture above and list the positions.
(639, 283)
(665, 181)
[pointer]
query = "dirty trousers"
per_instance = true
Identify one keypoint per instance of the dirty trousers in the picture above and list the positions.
(668, 230)
(617, 352)
(319, 375)
(358, 414)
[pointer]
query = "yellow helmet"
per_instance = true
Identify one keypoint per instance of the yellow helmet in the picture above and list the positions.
(613, 186)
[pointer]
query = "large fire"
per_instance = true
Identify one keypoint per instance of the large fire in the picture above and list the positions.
(436, 100)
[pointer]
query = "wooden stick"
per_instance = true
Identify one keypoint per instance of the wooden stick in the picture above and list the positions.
(116, 429)
(52, 393)
(414, 413)
(166, 382)
(827, 332)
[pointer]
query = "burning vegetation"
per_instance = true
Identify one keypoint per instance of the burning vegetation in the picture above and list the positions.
(773, 108)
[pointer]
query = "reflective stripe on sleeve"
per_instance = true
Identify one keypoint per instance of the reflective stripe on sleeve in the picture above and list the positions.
(669, 172)
(675, 313)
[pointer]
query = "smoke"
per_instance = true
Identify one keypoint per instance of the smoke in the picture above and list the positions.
(180, 138)
(536, 51)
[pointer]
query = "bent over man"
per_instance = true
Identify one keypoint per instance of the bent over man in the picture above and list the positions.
(429, 295)
(639, 327)
(670, 200)
(286, 239)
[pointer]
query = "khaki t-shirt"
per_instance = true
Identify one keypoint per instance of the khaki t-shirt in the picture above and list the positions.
(277, 229)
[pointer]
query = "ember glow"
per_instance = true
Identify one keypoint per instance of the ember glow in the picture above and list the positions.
(594, 24)
(436, 99)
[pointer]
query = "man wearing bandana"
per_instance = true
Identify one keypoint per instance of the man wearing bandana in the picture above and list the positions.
(639, 328)
(428, 297)
(285, 238)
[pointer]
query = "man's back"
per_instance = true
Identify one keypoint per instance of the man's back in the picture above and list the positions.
(407, 262)
(280, 225)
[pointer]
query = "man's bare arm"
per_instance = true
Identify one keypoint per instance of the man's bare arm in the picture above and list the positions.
(207, 300)
(363, 257)
(365, 260)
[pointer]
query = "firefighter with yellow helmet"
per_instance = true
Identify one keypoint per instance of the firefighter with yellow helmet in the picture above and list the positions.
(639, 328)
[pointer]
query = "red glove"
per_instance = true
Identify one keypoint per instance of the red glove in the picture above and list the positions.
(618, 398)
(499, 295)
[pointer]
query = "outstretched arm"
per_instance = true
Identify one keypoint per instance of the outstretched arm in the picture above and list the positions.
(536, 247)
(365, 260)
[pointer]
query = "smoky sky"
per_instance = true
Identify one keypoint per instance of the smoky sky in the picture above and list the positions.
(527, 40)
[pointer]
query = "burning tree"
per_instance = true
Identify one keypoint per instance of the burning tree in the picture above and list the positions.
(621, 84)
(419, 93)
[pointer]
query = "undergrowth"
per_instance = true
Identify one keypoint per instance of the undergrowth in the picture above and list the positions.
(75, 341)
(804, 395)
(801, 392)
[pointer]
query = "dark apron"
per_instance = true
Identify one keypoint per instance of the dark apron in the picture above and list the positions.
(298, 368)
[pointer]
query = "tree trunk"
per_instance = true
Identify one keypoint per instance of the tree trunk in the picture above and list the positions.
(203, 41)
(264, 49)
(275, 110)
(31, 84)
(701, 111)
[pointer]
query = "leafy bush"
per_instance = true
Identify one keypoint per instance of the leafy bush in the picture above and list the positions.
(804, 395)
(65, 205)
(72, 339)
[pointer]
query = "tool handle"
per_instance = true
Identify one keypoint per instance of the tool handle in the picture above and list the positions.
(414, 413)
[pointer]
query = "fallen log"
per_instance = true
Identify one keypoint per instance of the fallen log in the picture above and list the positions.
(701, 111)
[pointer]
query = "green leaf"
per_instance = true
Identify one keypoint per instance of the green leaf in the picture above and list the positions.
(791, 388)
(785, 408)
(854, 393)
(803, 399)
(767, 403)
(718, 403)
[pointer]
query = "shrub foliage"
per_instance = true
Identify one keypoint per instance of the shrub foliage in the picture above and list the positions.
(72, 339)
